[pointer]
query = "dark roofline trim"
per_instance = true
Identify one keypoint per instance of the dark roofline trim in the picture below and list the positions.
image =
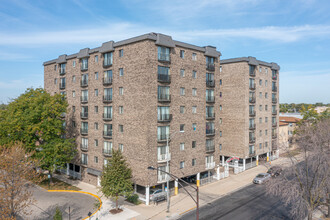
(251, 60)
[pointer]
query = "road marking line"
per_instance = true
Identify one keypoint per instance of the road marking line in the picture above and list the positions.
(187, 210)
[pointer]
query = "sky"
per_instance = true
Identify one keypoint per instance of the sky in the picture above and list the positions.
(295, 34)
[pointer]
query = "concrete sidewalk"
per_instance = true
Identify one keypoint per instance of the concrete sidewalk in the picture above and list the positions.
(180, 203)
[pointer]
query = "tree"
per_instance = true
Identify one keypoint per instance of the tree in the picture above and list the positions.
(35, 119)
(116, 178)
(58, 214)
(305, 184)
(17, 168)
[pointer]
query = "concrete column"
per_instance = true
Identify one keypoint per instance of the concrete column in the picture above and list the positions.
(223, 160)
(267, 156)
(176, 188)
(257, 160)
(218, 173)
(135, 187)
(277, 153)
(147, 195)
(244, 164)
(67, 169)
(198, 178)
(163, 187)
(209, 175)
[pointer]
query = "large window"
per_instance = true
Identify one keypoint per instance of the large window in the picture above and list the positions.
(107, 59)
(107, 147)
(84, 63)
(164, 92)
(163, 132)
(108, 94)
(163, 113)
(107, 112)
(163, 53)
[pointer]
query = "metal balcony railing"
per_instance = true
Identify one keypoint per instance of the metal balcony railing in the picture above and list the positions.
(210, 99)
(84, 99)
(210, 83)
(162, 137)
(107, 98)
(274, 124)
(163, 157)
(274, 88)
(274, 100)
(164, 78)
(164, 57)
(252, 113)
(83, 147)
(84, 115)
(210, 66)
(209, 148)
(252, 140)
(164, 117)
(107, 116)
(107, 81)
(209, 166)
(210, 116)
(164, 97)
(252, 126)
(62, 71)
(62, 85)
(84, 83)
(210, 132)
(252, 99)
(84, 131)
(252, 86)
(107, 134)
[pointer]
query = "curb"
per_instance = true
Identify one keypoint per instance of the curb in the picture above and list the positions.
(91, 194)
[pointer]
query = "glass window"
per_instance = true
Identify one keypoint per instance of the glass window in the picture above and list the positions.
(73, 94)
(121, 147)
(181, 146)
(182, 54)
(182, 91)
(96, 92)
(73, 79)
(181, 164)
(121, 128)
(182, 72)
(194, 126)
(193, 162)
(74, 63)
(194, 74)
(194, 109)
(194, 91)
(194, 56)
(96, 126)
(108, 58)
(121, 72)
(182, 109)
(121, 53)
(182, 128)
(121, 109)
(163, 53)
(96, 74)
(96, 142)
(193, 144)
(96, 58)
(121, 91)
(96, 109)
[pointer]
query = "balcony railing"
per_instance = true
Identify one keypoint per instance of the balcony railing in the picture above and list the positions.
(274, 112)
(274, 88)
(107, 152)
(210, 132)
(274, 136)
(209, 166)
(83, 147)
(210, 116)
(84, 99)
(162, 137)
(274, 77)
(62, 71)
(163, 177)
(107, 116)
(252, 99)
(274, 124)
(210, 66)
(210, 99)
(163, 157)
(274, 145)
(107, 98)
(84, 83)
(210, 83)
(107, 134)
(62, 85)
(107, 81)
(84, 115)
(210, 148)
(164, 117)
(83, 131)
(252, 86)
(252, 154)
(164, 57)
(252, 73)
(84, 162)
(252, 140)
(274, 100)
(252, 126)
(164, 97)
(164, 78)
(84, 66)
(252, 113)
(107, 63)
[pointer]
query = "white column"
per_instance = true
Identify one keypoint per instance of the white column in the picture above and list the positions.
(218, 173)
(67, 169)
(198, 178)
(176, 189)
(147, 195)
(257, 160)
(277, 153)
(223, 160)
(243, 164)
(267, 156)
(135, 187)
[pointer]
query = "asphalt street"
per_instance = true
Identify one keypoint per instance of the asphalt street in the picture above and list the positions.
(250, 202)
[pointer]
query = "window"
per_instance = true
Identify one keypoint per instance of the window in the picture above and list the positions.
(96, 59)
(181, 146)
(84, 95)
(260, 69)
(194, 56)
(62, 83)
(266, 83)
(260, 107)
(84, 64)
(290, 124)
(74, 63)
(194, 74)
(210, 128)
(193, 144)
(182, 91)
(96, 92)
(55, 67)
(209, 112)
(84, 143)
(163, 132)
(220, 133)
(260, 145)
(107, 147)
(210, 95)
(96, 75)
(84, 111)
(220, 82)
(73, 94)
(220, 121)
(74, 108)
(121, 128)
(182, 72)
(266, 71)
(96, 126)
(260, 82)
(73, 79)
(266, 132)
(194, 91)
(220, 146)
(260, 120)
(96, 109)
(194, 109)
(84, 79)
(266, 119)
(266, 144)
(220, 107)
(266, 107)
(194, 126)
(107, 94)
(220, 69)
(96, 142)
(121, 147)
(121, 91)
(260, 94)
(182, 54)
(105, 162)
(107, 112)
(121, 53)
(74, 124)
(182, 128)
(193, 162)
(121, 72)
(220, 94)
(107, 130)
(181, 164)
(84, 159)
(163, 53)
(108, 57)
(96, 159)
(55, 81)
(260, 133)
(266, 95)
(181, 109)
(121, 109)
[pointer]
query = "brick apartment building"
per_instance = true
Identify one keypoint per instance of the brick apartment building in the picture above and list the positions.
(134, 94)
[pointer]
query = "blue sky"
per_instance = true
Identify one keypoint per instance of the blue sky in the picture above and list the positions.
(295, 34)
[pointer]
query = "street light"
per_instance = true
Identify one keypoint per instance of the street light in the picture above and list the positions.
(177, 178)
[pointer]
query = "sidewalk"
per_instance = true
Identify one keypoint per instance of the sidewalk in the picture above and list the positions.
(180, 203)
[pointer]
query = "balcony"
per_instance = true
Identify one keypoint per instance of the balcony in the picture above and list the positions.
(84, 83)
(164, 78)
(252, 86)
(210, 66)
(274, 112)
(107, 99)
(84, 66)
(84, 99)
(210, 99)
(62, 71)
(210, 132)
(210, 148)
(274, 124)
(107, 63)
(164, 57)
(210, 83)
(274, 100)
(162, 137)
(163, 157)
(84, 115)
(274, 77)
(164, 118)
(252, 73)
(84, 162)
(83, 131)
(274, 136)
(162, 177)
(252, 99)
(107, 116)
(83, 147)
(164, 98)
(107, 81)
(210, 116)
(107, 134)
(274, 145)
(274, 88)
(107, 152)
(62, 85)
(252, 126)
(252, 154)
(210, 166)
(252, 113)
(252, 140)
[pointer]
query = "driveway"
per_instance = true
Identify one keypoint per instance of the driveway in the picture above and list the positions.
(44, 209)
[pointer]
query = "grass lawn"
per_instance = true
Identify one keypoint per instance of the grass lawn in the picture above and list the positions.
(56, 185)
(291, 153)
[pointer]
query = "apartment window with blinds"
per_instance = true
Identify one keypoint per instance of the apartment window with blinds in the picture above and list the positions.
(163, 132)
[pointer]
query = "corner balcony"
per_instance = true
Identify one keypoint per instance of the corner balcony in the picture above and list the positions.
(164, 118)
(164, 57)
(62, 85)
(162, 137)
(107, 81)
(62, 71)
(107, 99)
(83, 147)
(252, 73)
(252, 99)
(252, 113)
(274, 100)
(274, 124)
(83, 99)
(164, 98)
(252, 154)
(84, 83)
(274, 77)
(84, 131)
(84, 67)
(107, 117)
(107, 152)
(210, 116)
(209, 148)
(163, 157)
(107, 63)
(252, 126)
(210, 83)
(164, 78)
(210, 99)
(84, 115)
(274, 88)
(252, 86)
(252, 140)
(162, 177)
(274, 145)
(210, 66)
(210, 132)
(209, 166)
(107, 134)
(274, 112)
(274, 136)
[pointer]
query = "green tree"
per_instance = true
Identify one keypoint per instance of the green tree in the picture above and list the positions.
(308, 113)
(116, 178)
(58, 214)
(35, 119)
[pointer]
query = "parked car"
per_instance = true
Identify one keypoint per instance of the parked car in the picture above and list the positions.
(157, 195)
(275, 171)
(261, 178)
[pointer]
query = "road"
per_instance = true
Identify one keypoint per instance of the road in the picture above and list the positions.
(250, 202)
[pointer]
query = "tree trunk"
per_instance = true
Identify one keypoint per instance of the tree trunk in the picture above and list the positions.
(310, 215)
(116, 202)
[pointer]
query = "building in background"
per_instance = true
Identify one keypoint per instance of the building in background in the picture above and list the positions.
(292, 124)
(283, 136)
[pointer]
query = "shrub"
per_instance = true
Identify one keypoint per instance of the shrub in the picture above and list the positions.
(134, 198)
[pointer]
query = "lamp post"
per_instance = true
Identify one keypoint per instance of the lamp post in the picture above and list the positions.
(195, 188)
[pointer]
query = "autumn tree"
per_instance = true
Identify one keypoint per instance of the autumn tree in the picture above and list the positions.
(304, 185)
(17, 168)
(116, 178)
(36, 119)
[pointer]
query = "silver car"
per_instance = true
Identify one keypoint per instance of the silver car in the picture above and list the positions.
(157, 195)
(261, 178)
